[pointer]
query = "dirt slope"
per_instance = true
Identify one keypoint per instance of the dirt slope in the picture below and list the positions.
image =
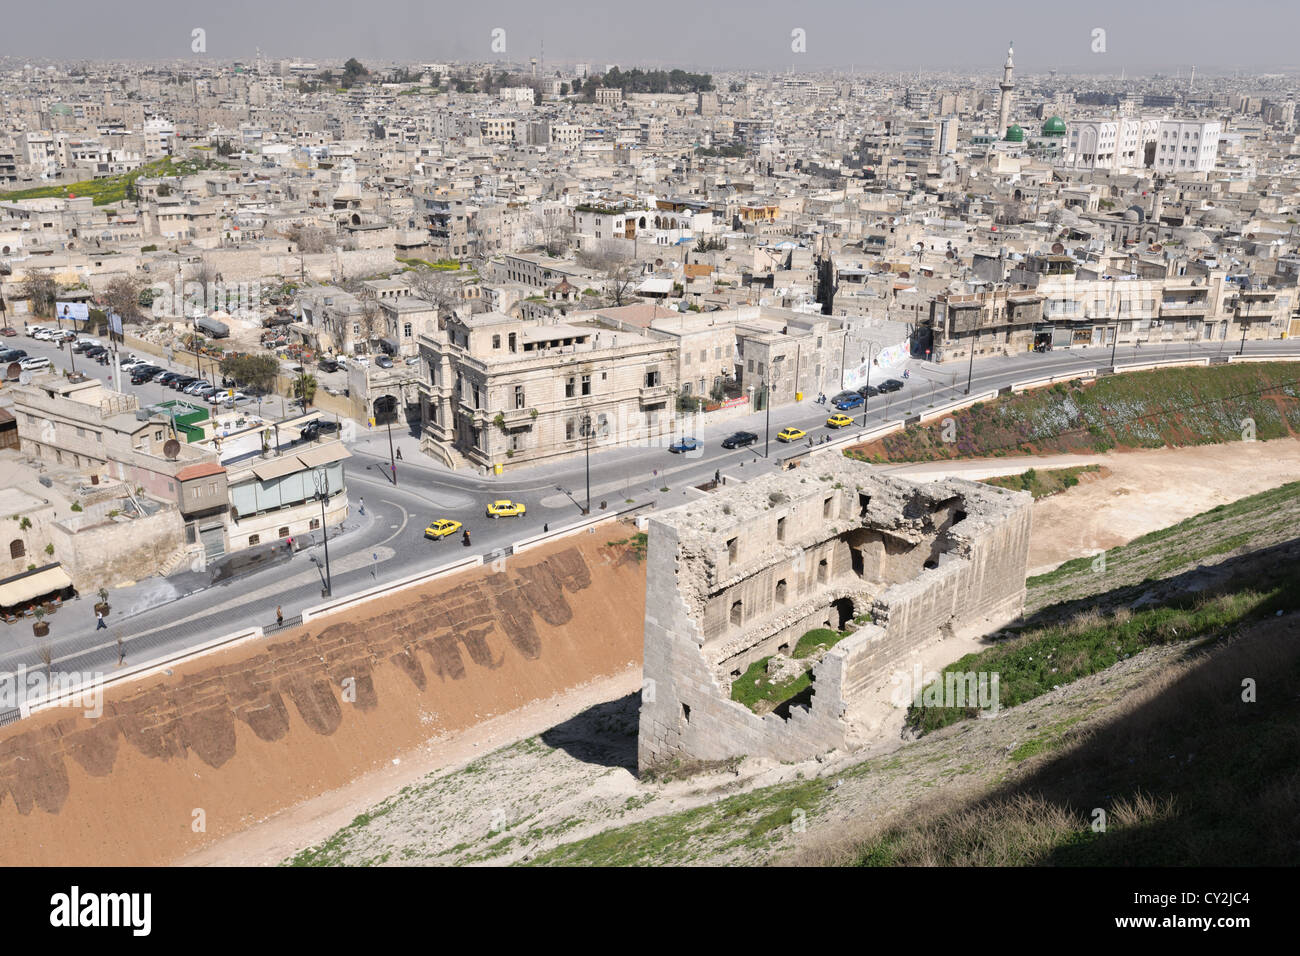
(179, 761)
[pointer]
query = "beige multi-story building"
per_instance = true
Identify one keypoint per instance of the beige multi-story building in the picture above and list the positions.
(499, 390)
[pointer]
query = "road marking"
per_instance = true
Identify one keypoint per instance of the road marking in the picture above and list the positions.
(405, 518)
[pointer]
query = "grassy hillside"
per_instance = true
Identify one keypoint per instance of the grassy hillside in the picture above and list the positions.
(111, 189)
(1175, 407)
(1045, 483)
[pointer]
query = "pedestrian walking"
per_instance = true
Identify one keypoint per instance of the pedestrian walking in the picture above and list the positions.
(363, 505)
(279, 616)
(399, 454)
(100, 625)
(717, 476)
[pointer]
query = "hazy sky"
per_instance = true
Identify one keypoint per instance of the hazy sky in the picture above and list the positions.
(1141, 35)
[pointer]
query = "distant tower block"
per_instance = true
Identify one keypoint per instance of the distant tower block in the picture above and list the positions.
(1007, 86)
(533, 62)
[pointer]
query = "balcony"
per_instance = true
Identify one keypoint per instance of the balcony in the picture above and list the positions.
(1184, 307)
(650, 394)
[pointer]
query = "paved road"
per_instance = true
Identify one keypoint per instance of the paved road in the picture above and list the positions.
(388, 541)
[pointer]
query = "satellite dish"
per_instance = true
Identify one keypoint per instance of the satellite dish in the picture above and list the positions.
(171, 448)
(13, 371)
(1057, 248)
(950, 254)
(25, 378)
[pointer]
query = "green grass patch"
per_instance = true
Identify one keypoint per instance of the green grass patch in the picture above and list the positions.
(1042, 484)
(111, 189)
(753, 686)
(817, 636)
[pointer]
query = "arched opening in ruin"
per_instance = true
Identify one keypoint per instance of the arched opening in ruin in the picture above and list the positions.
(737, 614)
(841, 612)
(781, 591)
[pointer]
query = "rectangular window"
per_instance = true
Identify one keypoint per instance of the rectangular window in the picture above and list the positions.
(519, 396)
(780, 529)
(586, 385)
(569, 386)
(731, 550)
(570, 429)
(252, 539)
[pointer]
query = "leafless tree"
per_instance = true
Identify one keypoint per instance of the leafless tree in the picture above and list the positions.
(311, 239)
(436, 287)
(41, 290)
(122, 295)
(620, 274)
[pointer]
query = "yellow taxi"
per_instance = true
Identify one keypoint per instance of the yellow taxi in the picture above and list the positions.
(790, 434)
(505, 508)
(839, 421)
(441, 527)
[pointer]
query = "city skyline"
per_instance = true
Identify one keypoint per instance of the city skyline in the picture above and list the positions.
(836, 36)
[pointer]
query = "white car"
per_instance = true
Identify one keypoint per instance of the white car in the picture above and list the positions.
(34, 363)
(195, 387)
(341, 361)
(34, 331)
(44, 335)
(362, 361)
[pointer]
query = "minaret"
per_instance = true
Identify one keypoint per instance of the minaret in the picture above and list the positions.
(1007, 85)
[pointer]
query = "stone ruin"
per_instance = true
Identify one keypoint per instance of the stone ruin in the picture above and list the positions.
(743, 574)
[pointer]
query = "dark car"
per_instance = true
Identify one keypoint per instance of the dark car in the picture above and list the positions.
(95, 351)
(739, 440)
(182, 381)
(8, 331)
(842, 397)
(890, 385)
(141, 375)
(329, 365)
(866, 391)
(168, 377)
(13, 355)
(852, 400)
(321, 426)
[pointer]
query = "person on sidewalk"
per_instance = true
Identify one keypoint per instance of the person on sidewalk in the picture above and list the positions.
(399, 454)
(279, 616)
(99, 623)
(362, 504)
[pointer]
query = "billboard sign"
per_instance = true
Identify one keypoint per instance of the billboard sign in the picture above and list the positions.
(74, 311)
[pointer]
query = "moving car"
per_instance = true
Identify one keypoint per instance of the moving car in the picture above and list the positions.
(790, 434)
(441, 528)
(505, 508)
(34, 363)
(684, 445)
(890, 385)
(739, 440)
(839, 421)
(854, 400)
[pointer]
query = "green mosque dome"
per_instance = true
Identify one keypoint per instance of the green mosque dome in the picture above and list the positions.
(1054, 127)
(1014, 134)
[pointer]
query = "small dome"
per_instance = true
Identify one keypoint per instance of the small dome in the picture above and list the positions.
(1014, 134)
(1054, 127)
(1135, 214)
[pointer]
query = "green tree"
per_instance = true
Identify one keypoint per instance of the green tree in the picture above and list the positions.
(256, 372)
(353, 71)
(304, 387)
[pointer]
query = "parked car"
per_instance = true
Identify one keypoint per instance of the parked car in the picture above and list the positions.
(143, 373)
(85, 344)
(205, 391)
(854, 400)
(328, 365)
(441, 528)
(161, 374)
(341, 361)
(321, 426)
(839, 421)
(182, 381)
(32, 330)
(841, 396)
(34, 363)
(505, 508)
(13, 355)
(739, 440)
(384, 361)
(891, 385)
(413, 360)
(684, 445)
(95, 351)
(8, 330)
(867, 391)
(67, 335)
(195, 386)
(790, 434)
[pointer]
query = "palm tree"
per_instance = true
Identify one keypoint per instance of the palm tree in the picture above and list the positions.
(304, 387)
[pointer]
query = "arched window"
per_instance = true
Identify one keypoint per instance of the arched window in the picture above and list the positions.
(17, 549)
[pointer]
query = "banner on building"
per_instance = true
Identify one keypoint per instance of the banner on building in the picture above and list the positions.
(115, 323)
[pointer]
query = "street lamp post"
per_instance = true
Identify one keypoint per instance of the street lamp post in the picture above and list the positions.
(392, 462)
(970, 368)
(873, 349)
(1244, 327)
(322, 492)
(1114, 344)
(586, 434)
(767, 404)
